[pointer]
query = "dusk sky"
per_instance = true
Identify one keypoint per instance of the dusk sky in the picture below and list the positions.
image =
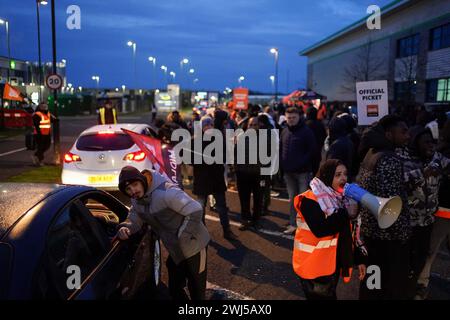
(222, 39)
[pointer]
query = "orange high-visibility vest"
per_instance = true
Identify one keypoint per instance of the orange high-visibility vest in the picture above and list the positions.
(443, 213)
(44, 124)
(313, 257)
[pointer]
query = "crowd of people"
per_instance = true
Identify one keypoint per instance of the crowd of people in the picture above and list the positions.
(395, 156)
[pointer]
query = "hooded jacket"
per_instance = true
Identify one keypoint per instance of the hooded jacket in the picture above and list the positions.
(297, 148)
(422, 192)
(340, 146)
(171, 213)
(381, 173)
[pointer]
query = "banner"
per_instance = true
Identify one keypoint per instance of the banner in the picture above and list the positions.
(162, 156)
(11, 93)
(372, 97)
(240, 98)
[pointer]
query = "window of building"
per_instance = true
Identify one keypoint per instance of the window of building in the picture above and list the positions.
(440, 37)
(438, 90)
(408, 46)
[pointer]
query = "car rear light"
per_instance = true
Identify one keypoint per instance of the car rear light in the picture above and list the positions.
(135, 156)
(105, 132)
(70, 157)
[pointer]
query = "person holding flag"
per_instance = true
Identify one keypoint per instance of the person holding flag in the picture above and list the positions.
(177, 219)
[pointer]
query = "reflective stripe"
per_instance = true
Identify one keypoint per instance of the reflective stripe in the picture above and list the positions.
(324, 244)
(302, 225)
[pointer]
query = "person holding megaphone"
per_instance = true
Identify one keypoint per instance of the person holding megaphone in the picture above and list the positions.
(323, 245)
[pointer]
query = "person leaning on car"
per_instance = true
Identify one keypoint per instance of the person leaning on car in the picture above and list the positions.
(177, 219)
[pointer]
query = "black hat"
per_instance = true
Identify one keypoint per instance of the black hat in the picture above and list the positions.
(130, 174)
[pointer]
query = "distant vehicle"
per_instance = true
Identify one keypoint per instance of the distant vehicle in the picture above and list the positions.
(51, 235)
(100, 152)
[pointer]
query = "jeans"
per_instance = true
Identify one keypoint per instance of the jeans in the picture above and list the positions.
(221, 207)
(296, 183)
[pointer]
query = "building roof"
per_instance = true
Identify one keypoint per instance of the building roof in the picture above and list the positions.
(390, 8)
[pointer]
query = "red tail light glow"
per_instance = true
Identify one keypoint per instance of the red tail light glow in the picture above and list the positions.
(70, 157)
(135, 156)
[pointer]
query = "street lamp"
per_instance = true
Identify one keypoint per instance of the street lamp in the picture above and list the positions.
(6, 23)
(153, 60)
(97, 79)
(133, 45)
(123, 88)
(173, 74)
(275, 52)
(164, 68)
(272, 80)
(191, 71)
(40, 73)
(241, 78)
(183, 62)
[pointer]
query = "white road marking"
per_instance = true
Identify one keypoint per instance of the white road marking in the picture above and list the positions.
(13, 151)
(275, 198)
(229, 295)
(268, 232)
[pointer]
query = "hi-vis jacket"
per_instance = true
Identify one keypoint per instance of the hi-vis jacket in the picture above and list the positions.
(44, 124)
(102, 112)
(313, 257)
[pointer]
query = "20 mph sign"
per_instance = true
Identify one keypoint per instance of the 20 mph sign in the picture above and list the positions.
(54, 81)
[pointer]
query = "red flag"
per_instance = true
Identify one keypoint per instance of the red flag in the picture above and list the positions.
(11, 93)
(158, 154)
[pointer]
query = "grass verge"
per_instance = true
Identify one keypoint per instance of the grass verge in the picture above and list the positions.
(45, 174)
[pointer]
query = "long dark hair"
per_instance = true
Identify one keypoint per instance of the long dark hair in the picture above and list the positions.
(327, 170)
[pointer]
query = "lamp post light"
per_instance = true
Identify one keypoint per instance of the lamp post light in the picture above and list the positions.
(173, 74)
(164, 68)
(241, 78)
(275, 52)
(97, 79)
(182, 63)
(6, 23)
(153, 61)
(40, 73)
(133, 45)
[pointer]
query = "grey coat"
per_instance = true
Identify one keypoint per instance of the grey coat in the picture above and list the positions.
(173, 215)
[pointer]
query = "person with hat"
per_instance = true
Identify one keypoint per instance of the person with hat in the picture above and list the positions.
(177, 219)
(107, 114)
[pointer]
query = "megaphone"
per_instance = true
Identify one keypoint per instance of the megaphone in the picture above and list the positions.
(385, 210)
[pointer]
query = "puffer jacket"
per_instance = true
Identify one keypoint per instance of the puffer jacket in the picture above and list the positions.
(172, 214)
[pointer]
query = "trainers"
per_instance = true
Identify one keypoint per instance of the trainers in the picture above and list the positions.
(290, 230)
(274, 194)
(35, 160)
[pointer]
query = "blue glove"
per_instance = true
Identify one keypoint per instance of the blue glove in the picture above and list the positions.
(355, 192)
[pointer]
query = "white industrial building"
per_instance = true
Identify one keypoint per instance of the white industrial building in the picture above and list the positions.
(411, 51)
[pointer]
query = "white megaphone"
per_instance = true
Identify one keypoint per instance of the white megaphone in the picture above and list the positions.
(385, 210)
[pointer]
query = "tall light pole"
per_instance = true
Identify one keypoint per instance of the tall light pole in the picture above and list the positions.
(173, 75)
(40, 74)
(97, 80)
(272, 80)
(6, 23)
(133, 45)
(153, 61)
(276, 53)
(182, 63)
(164, 68)
(241, 78)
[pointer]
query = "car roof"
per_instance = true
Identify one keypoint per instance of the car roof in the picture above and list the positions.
(136, 127)
(16, 199)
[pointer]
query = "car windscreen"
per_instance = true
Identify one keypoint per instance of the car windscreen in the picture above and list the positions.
(104, 142)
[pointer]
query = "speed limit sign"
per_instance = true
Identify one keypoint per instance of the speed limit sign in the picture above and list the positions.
(54, 81)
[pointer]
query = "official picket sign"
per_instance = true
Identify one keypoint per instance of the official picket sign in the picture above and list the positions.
(372, 98)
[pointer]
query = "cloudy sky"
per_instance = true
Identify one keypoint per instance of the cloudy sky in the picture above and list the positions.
(222, 39)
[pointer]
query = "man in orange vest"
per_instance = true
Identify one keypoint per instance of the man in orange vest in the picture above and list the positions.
(323, 245)
(42, 119)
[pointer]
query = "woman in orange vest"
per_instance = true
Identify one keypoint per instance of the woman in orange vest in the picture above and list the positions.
(323, 246)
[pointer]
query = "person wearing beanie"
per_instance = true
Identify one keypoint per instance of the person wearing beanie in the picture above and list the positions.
(177, 219)
(323, 244)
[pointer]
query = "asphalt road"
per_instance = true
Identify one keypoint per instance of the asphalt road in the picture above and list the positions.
(257, 266)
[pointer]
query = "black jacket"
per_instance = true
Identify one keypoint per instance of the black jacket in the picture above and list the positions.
(340, 145)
